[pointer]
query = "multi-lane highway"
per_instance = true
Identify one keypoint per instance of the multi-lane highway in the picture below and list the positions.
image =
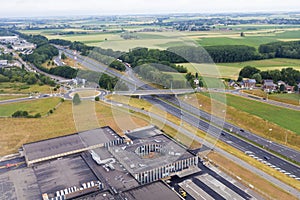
(218, 132)
(207, 145)
(281, 149)
(230, 139)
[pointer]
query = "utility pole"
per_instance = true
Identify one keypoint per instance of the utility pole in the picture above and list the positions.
(285, 137)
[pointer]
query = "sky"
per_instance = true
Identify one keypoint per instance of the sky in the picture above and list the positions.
(30, 8)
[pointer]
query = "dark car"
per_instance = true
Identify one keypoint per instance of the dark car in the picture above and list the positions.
(242, 130)
(266, 158)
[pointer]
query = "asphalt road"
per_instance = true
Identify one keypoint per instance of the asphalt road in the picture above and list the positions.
(235, 159)
(19, 161)
(268, 101)
(231, 140)
(213, 193)
(42, 96)
(281, 149)
(203, 125)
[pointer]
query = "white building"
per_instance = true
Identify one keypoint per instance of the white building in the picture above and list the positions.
(9, 39)
(22, 47)
(3, 62)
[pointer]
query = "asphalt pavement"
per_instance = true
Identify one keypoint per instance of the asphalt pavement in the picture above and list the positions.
(230, 139)
(235, 159)
(279, 148)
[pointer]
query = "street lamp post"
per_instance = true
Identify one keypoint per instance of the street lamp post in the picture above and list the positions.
(270, 130)
(286, 137)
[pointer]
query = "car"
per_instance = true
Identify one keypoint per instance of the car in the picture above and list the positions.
(242, 130)
(266, 158)
(223, 134)
(248, 152)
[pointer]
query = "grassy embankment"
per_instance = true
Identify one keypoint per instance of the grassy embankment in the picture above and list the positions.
(281, 97)
(256, 117)
(138, 103)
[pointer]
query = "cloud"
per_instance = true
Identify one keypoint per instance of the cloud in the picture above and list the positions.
(113, 7)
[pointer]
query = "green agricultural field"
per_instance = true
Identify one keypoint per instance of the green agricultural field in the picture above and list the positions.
(231, 70)
(212, 70)
(33, 107)
(253, 41)
(267, 63)
(210, 82)
(289, 35)
(22, 88)
(283, 117)
(254, 37)
(176, 75)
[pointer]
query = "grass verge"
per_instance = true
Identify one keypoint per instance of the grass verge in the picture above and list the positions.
(33, 107)
(188, 141)
(250, 121)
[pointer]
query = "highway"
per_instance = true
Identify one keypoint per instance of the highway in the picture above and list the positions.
(97, 67)
(232, 140)
(207, 145)
(154, 92)
(281, 149)
(224, 136)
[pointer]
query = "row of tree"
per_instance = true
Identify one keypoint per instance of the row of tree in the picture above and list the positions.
(152, 74)
(104, 81)
(217, 54)
(24, 114)
(39, 40)
(44, 52)
(7, 56)
(64, 71)
(79, 46)
(288, 75)
(281, 49)
(164, 58)
(21, 75)
(105, 56)
(192, 77)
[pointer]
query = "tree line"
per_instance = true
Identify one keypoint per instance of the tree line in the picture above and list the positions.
(21, 75)
(103, 80)
(25, 114)
(217, 54)
(281, 49)
(45, 51)
(140, 56)
(288, 75)
(7, 56)
(105, 56)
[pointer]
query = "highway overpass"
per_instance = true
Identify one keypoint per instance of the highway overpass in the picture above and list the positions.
(154, 92)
